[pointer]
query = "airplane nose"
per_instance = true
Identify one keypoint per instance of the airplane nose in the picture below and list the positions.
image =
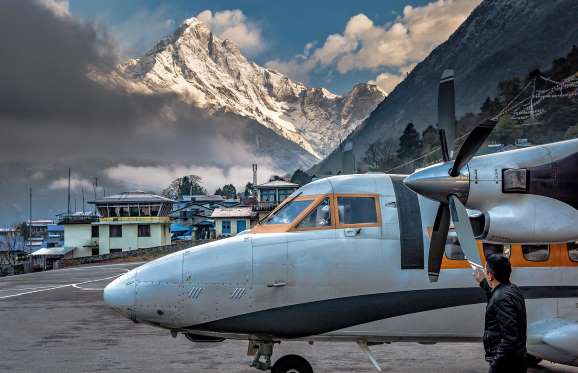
(120, 294)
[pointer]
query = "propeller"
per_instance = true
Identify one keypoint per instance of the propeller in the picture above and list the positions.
(448, 182)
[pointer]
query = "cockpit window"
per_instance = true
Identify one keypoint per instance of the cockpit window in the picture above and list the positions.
(319, 217)
(288, 213)
(356, 210)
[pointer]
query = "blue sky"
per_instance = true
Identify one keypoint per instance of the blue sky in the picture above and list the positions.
(286, 27)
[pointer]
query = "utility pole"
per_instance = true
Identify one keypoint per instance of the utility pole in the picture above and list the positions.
(68, 203)
(95, 188)
(29, 233)
(82, 200)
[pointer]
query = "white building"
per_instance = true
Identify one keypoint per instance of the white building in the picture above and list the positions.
(130, 221)
(233, 220)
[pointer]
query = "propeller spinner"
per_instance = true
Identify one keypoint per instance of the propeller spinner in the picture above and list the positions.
(449, 182)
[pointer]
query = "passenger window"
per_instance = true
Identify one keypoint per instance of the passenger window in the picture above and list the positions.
(491, 249)
(453, 248)
(319, 217)
(536, 253)
(573, 251)
(356, 210)
(288, 213)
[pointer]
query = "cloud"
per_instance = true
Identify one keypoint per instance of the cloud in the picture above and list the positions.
(156, 178)
(387, 81)
(60, 8)
(54, 116)
(142, 30)
(364, 45)
(234, 25)
(76, 183)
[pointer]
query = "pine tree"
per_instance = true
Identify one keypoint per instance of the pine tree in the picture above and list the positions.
(409, 144)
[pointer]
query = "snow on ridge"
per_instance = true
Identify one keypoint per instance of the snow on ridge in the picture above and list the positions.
(213, 74)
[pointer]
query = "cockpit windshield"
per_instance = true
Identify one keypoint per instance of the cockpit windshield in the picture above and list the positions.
(288, 213)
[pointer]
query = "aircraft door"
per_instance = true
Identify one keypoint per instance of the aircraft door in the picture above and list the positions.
(270, 269)
(359, 257)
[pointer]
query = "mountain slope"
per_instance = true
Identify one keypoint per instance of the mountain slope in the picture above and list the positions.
(500, 39)
(213, 74)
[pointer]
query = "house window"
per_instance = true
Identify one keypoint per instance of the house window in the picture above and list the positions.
(112, 251)
(144, 230)
(226, 227)
(319, 217)
(356, 210)
(241, 225)
(134, 211)
(268, 195)
(536, 253)
(94, 231)
(453, 249)
(124, 211)
(95, 251)
(115, 230)
(155, 210)
(284, 193)
(573, 251)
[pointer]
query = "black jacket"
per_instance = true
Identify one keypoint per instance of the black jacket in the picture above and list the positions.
(505, 329)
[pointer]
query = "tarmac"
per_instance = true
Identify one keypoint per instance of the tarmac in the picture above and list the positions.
(56, 321)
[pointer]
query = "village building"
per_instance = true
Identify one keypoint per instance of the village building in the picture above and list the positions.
(271, 194)
(79, 237)
(192, 216)
(130, 221)
(37, 234)
(230, 221)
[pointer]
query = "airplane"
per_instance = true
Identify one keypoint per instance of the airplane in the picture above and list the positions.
(344, 258)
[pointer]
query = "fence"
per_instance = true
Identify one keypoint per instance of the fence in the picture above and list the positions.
(145, 253)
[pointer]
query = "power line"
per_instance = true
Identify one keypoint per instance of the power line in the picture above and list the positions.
(513, 104)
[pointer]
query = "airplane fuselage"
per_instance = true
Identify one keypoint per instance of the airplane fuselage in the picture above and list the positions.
(324, 268)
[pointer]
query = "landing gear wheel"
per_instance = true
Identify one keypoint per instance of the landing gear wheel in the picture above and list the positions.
(532, 361)
(292, 364)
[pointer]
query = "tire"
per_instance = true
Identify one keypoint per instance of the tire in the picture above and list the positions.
(532, 361)
(292, 364)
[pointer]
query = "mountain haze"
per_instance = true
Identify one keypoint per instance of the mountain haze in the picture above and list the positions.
(213, 74)
(499, 40)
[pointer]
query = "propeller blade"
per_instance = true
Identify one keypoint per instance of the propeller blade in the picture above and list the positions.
(447, 113)
(438, 240)
(444, 145)
(464, 231)
(473, 143)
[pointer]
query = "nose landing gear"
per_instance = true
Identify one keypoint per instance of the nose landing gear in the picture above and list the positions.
(263, 351)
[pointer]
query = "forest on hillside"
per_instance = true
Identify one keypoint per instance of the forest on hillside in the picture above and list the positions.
(553, 117)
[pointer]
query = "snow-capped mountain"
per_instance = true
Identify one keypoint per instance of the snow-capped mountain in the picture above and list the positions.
(213, 74)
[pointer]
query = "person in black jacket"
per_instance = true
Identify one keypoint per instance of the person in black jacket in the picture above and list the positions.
(505, 326)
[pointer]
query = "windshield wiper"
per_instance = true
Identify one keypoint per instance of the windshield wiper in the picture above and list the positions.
(286, 202)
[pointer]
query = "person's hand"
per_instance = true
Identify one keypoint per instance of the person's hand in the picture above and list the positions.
(479, 275)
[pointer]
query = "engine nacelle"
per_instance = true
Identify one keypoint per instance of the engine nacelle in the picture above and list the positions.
(526, 196)
(527, 219)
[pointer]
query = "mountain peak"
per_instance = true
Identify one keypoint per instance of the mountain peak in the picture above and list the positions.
(213, 73)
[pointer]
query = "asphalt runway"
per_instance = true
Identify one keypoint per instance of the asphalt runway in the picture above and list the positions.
(56, 321)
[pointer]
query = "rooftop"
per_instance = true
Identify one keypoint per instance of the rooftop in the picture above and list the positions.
(278, 184)
(232, 212)
(202, 198)
(132, 197)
